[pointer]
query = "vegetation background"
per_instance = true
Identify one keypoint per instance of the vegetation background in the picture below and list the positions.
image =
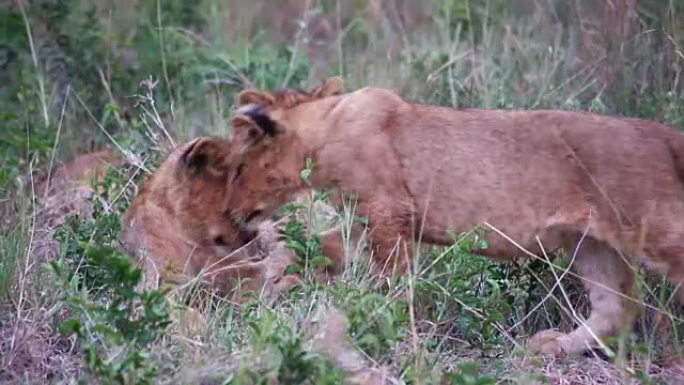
(140, 75)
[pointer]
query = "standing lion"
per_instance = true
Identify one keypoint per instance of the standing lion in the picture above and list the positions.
(609, 190)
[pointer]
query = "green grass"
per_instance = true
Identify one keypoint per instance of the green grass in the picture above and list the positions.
(76, 75)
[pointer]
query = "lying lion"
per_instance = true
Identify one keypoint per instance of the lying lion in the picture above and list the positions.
(609, 190)
(176, 226)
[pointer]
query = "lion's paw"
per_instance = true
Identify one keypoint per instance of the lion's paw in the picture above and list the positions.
(547, 343)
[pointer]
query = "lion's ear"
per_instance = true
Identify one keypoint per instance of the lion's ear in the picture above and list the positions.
(252, 124)
(253, 96)
(205, 154)
(331, 86)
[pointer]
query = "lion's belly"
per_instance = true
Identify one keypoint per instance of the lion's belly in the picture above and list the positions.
(507, 225)
(508, 213)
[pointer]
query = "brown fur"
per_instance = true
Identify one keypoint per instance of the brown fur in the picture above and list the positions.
(538, 177)
(62, 191)
(177, 224)
(80, 171)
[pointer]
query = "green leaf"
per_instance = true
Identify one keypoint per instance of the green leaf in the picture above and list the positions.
(296, 246)
(293, 269)
(70, 326)
(320, 261)
(304, 174)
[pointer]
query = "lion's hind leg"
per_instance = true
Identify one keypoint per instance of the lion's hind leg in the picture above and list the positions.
(664, 251)
(609, 279)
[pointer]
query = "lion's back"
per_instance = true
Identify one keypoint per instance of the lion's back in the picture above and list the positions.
(466, 166)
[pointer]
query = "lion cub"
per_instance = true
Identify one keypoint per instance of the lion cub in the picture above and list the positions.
(609, 190)
(178, 226)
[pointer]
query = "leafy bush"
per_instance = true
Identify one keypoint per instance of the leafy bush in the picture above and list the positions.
(113, 322)
(479, 298)
(280, 354)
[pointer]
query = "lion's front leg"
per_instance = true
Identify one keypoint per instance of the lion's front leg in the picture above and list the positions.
(391, 239)
(335, 246)
(392, 249)
(609, 280)
(387, 245)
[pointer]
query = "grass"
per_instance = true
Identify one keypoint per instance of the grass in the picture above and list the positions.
(139, 76)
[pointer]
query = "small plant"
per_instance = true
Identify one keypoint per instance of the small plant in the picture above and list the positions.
(278, 353)
(376, 321)
(477, 297)
(113, 323)
(297, 235)
(112, 319)
(307, 247)
(460, 287)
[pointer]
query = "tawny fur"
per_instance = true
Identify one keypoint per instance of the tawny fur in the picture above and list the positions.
(63, 191)
(80, 171)
(177, 228)
(534, 178)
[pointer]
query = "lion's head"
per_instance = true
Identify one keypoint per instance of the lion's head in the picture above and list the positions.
(204, 173)
(186, 201)
(267, 151)
(181, 223)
